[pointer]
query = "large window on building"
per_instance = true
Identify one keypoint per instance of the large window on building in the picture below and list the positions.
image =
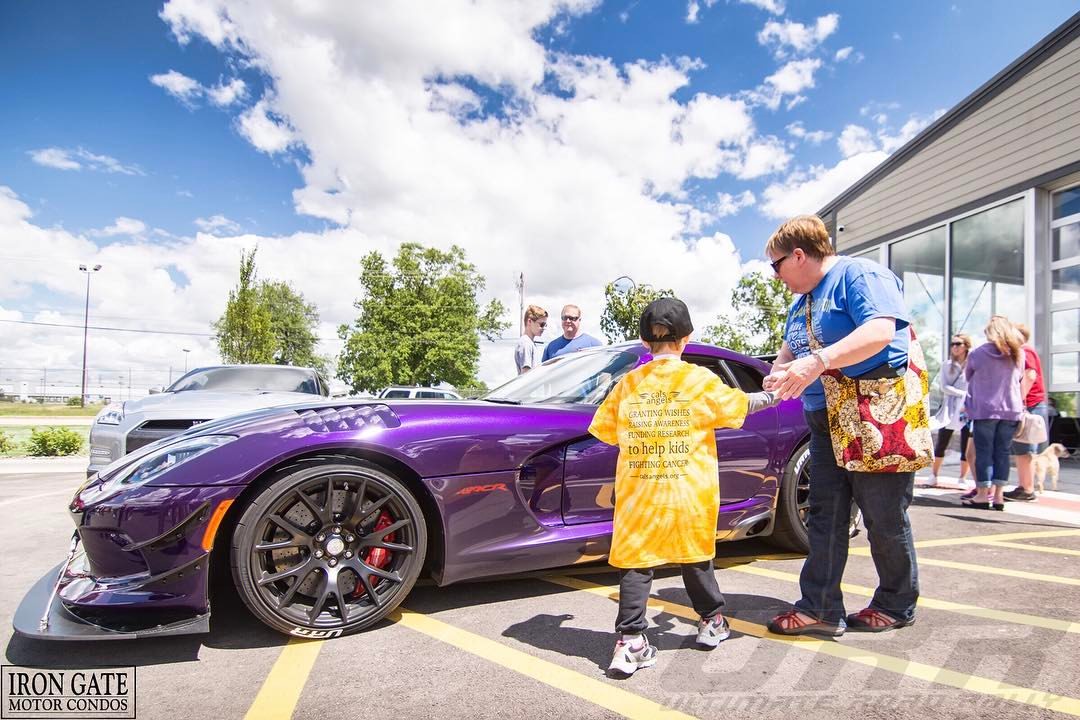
(1065, 290)
(988, 268)
(919, 261)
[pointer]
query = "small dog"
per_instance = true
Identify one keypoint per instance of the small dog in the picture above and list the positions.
(1046, 463)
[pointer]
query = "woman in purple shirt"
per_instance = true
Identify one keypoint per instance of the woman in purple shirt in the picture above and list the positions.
(993, 401)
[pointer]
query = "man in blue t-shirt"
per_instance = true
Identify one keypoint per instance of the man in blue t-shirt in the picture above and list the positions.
(860, 319)
(572, 338)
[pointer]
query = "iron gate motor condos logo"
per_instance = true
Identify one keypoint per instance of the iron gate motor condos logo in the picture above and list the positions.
(104, 693)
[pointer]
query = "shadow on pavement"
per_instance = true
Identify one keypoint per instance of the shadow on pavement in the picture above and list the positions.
(549, 632)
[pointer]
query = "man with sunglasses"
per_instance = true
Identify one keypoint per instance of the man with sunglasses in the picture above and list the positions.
(572, 338)
(527, 353)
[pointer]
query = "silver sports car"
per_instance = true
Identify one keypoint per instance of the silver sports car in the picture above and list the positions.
(200, 395)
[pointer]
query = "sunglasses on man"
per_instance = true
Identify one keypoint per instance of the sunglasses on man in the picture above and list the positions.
(571, 318)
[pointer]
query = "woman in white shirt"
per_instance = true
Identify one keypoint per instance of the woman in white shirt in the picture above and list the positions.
(950, 416)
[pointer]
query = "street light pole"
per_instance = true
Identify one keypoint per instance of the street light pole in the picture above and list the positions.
(615, 284)
(86, 325)
(185, 351)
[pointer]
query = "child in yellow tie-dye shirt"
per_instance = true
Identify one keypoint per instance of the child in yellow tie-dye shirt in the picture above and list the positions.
(662, 416)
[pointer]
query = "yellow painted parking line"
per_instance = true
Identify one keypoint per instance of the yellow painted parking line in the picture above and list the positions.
(1033, 548)
(862, 656)
(281, 689)
(948, 606)
(1035, 534)
(574, 683)
(985, 569)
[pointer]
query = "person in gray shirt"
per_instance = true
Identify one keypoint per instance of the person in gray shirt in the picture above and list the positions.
(527, 353)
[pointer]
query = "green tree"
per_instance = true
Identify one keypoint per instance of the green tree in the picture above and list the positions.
(268, 322)
(420, 322)
(293, 324)
(623, 308)
(245, 330)
(760, 307)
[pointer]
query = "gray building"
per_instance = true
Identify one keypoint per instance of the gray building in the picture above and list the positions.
(980, 213)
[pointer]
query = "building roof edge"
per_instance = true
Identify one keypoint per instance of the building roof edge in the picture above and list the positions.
(1061, 35)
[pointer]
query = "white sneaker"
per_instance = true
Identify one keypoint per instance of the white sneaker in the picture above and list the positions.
(626, 659)
(712, 631)
(930, 481)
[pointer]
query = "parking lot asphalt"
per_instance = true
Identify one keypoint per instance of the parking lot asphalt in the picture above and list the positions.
(996, 637)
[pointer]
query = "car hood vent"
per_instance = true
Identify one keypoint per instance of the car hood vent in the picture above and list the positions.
(349, 417)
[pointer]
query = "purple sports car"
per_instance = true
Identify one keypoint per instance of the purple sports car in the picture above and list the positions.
(328, 511)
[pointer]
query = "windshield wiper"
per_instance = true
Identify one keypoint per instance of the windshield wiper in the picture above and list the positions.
(502, 400)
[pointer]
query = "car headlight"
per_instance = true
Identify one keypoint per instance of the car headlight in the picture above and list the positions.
(157, 463)
(111, 415)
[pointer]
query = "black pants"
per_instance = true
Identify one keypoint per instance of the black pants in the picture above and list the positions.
(634, 586)
(944, 435)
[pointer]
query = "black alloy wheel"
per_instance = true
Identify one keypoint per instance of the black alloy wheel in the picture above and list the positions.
(331, 546)
(793, 508)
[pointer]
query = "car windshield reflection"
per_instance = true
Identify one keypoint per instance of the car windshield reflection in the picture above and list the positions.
(241, 378)
(577, 378)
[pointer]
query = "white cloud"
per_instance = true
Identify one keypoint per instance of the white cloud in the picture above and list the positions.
(909, 130)
(216, 224)
(443, 127)
(776, 7)
(814, 137)
(808, 191)
(789, 80)
(265, 129)
(789, 37)
(855, 139)
(764, 158)
(54, 158)
(874, 107)
(692, 10)
(612, 109)
(188, 90)
(178, 85)
(80, 158)
(727, 204)
(122, 226)
(225, 94)
(896, 36)
(843, 53)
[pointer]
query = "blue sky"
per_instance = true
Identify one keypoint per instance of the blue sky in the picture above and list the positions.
(566, 139)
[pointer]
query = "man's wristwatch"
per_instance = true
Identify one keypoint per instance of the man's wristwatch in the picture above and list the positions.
(822, 358)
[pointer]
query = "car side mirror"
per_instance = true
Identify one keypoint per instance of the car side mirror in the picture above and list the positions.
(156, 390)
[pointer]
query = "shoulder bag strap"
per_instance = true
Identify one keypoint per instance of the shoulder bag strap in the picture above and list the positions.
(815, 344)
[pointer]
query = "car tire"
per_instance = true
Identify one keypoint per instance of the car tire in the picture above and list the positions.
(330, 546)
(793, 506)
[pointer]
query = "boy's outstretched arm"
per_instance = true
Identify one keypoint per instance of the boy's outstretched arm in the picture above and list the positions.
(761, 400)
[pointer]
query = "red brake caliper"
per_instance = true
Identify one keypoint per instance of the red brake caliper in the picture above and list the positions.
(378, 557)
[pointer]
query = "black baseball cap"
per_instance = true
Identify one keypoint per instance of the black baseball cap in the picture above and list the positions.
(672, 313)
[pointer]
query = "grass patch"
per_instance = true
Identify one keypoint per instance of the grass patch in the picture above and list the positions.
(18, 409)
(20, 437)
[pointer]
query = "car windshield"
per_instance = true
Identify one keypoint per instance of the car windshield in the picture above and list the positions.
(576, 378)
(240, 378)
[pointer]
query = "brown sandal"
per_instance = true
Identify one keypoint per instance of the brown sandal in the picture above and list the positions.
(871, 620)
(792, 623)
